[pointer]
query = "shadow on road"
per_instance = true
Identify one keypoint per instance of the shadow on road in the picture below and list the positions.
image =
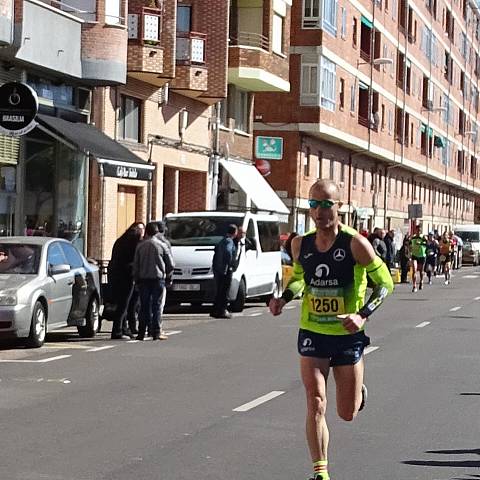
(449, 463)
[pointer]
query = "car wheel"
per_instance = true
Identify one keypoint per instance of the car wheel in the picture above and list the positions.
(92, 318)
(238, 304)
(38, 327)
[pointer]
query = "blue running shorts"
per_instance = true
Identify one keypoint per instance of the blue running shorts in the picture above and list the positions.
(340, 349)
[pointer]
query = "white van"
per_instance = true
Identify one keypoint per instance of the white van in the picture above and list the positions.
(193, 236)
(470, 234)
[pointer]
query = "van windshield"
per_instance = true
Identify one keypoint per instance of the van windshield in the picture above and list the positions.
(199, 231)
(469, 236)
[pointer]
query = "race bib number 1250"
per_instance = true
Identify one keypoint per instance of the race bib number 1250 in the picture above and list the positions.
(325, 305)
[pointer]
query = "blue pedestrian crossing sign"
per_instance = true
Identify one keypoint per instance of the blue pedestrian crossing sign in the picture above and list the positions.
(269, 148)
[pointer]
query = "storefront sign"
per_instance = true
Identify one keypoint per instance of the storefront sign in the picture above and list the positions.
(127, 172)
(18, 109)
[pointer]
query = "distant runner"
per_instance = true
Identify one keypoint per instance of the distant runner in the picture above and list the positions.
(418, 250)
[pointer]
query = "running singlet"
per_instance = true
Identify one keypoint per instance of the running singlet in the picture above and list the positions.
(418, 246)
(334, 283)
(446, 247)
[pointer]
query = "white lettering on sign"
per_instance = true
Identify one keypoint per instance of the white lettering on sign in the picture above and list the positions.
(13, 118)
(127, 172)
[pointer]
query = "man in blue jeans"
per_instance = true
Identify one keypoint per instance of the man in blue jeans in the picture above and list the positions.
(152, 270)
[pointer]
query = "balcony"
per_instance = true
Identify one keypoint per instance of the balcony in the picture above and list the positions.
(191, 76)
(61, 39)
(145, 56)
(254, 67)
(6, 22)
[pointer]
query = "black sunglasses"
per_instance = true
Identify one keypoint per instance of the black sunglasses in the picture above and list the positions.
(321, 203)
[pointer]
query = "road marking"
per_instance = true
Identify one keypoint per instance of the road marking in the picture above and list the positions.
(43, 360)
(255, 314)
(258, 401)
(172, 332)
(477, 298)
(52, 359)
(454, 309)
(59, 346)
(290, 307)
(470, 276)
(370, 350)
(423, 324)
(99, 349)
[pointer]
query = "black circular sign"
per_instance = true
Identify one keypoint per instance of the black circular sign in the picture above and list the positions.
(18, 108)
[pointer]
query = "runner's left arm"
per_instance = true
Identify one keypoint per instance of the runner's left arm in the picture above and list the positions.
(376, 270)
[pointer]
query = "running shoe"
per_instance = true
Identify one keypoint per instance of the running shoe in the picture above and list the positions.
(320, 476)
(414, 289)
(446, 282)
(364, 398)
(420, 286)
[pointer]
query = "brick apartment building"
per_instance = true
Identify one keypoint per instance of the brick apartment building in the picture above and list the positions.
(384, 101)
(45, 175)
(184, 59)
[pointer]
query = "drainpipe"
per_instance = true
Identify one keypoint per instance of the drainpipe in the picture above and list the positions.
(215, 156)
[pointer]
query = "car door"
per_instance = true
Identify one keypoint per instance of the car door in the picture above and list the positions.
(60, 288)
(80, 291)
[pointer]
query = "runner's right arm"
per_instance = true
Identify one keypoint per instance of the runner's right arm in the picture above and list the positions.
(295, 284)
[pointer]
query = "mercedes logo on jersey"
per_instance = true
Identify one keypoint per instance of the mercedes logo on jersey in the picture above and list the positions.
(321, 270)
(339, 254)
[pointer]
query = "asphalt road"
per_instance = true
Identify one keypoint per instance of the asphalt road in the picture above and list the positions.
(181, 409)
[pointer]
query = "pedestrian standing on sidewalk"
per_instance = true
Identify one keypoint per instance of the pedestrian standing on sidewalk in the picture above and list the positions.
(404, 257)
(152, 268)
(120, 278)
(167, 246)
(223, 264)
(331, 265)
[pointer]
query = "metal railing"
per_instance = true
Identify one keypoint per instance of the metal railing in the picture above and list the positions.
(250, 39)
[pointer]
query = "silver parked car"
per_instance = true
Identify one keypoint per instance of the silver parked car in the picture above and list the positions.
(46, 283)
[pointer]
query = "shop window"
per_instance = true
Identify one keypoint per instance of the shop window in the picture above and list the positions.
(129, 122)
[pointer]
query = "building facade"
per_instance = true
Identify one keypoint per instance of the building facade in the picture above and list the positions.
(187, 108)
(45, 173)
(384, 101)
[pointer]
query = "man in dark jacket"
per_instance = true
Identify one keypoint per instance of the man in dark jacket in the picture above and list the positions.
(152, 268)
(223, 265)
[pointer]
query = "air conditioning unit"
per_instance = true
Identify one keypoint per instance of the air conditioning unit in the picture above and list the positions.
(429, 104)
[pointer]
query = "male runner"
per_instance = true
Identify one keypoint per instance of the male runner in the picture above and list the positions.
(431, 250)
(418, 247)
(446, 255)
(331, 264)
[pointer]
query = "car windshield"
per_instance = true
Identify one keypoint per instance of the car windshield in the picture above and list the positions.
(19, 258)
(199, 231)
(468, 236)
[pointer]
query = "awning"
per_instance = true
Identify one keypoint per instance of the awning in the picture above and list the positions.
(367, 22)
(255, 186)
(117, 161)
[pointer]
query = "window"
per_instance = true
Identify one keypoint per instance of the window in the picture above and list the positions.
(328, 75)
(277, 37)
(269, 236)
(112, 12)
(311, 11)
(342, 172)
(129, 120)
(342, 94)
(352, 98)
(306, 162)
(329, 23)
(55, 255)
(355, 32)
(242, 111)
(73, 257)
(309, 84)
(320, 165)
(184, 18)
(224, 113)
(343, 29)
(331, 173)
(354, 176)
